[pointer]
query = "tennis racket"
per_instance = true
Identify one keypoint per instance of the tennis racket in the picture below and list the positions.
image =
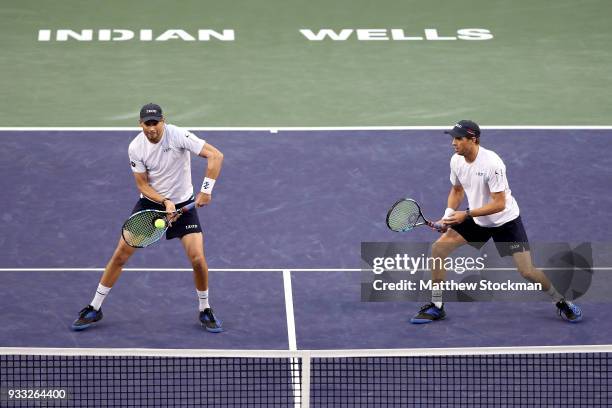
(406, 214)
(139, 230)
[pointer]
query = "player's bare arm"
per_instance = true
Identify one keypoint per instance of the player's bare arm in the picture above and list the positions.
(214, 159)
(497, 204)
(142, 182)
(455, 197)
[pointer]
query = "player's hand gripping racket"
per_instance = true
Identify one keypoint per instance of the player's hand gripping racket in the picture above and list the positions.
(406, 214)
(140, 231)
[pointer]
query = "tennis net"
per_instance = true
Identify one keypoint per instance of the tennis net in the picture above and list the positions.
(467, 377)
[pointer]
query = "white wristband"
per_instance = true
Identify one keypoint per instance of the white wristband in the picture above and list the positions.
(207, 185)
(448, 212)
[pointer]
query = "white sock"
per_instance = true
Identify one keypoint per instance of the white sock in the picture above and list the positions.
(203, 299)
(556, 296)
(436, 298)
(101, 293)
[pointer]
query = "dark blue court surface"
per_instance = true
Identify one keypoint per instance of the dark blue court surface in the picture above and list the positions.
(290, 200)
(145, 310)
(345, 323)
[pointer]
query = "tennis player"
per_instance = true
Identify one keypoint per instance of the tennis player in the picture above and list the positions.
(160, 160)
(492, 212)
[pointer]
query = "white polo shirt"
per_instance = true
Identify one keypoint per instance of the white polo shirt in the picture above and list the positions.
(485, 175)
(167, 162)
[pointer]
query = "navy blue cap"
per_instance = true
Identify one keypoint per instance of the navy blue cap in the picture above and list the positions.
(151, 111)
(464, 128)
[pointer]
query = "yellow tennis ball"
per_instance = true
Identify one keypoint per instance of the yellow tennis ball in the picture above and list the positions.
(160, 223)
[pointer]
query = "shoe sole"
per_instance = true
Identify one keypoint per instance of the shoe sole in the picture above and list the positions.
(84, 326)
(579, 319)
(81, 327)
(563, 317)
(425, 321)
(208, 329)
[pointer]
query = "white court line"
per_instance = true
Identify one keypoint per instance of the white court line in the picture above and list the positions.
(289, 309)
(275, 129)
(296, 375)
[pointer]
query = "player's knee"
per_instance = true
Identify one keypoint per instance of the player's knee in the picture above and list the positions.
(527, 272)
(197, 260)
(120, 258)
(440, 249)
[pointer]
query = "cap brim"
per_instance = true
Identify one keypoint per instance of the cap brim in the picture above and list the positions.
(454, 133)
(148, 118)
(459, 133)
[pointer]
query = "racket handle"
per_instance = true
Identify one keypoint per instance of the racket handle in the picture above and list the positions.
(439, 227)
(188, 207)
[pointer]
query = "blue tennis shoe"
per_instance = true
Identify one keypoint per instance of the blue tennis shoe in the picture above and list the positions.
(569, 311)
(428, 314)
(209, 321)
(86, 318)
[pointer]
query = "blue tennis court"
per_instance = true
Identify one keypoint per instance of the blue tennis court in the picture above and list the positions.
(285, 256)
(326, 113)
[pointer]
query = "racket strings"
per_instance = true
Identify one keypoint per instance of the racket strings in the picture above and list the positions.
(140, 230)
(404, 216)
